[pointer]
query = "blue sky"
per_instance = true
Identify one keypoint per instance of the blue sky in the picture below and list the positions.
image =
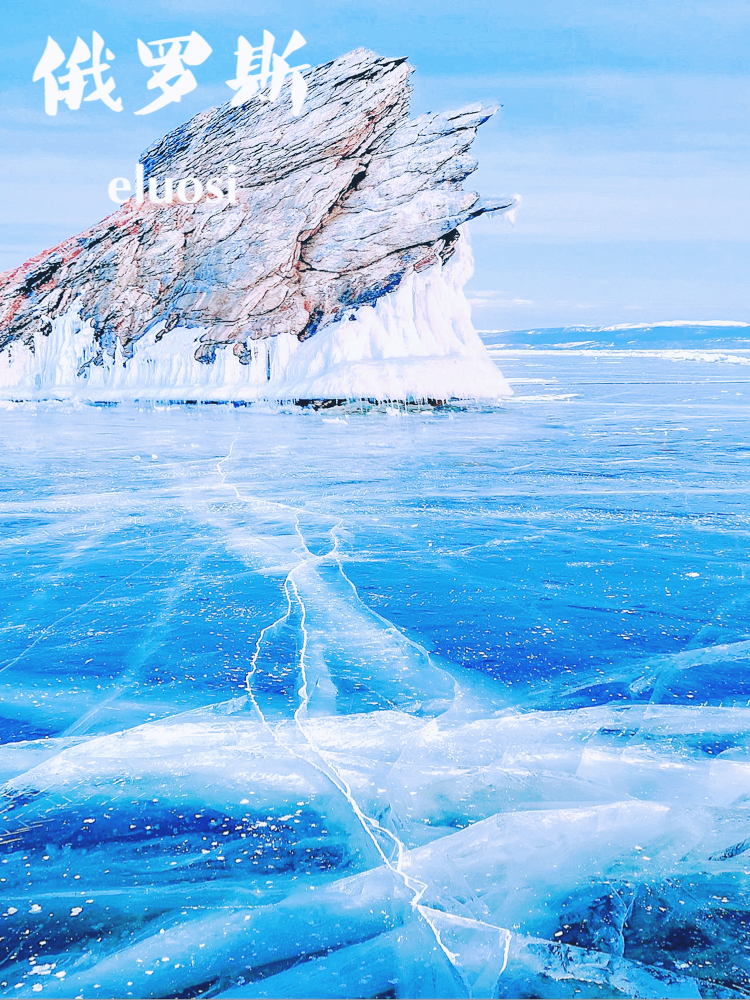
(624, 128)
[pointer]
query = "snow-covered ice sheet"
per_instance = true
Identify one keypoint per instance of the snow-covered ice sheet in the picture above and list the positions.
(426, 702)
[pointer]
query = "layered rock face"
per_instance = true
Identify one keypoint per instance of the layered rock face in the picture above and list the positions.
(334, 209)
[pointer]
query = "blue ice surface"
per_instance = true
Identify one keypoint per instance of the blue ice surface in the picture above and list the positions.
(397, 703)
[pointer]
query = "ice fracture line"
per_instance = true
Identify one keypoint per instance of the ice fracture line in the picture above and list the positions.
(369, 824)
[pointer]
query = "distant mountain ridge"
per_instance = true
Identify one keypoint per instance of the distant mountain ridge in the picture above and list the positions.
(666, 334)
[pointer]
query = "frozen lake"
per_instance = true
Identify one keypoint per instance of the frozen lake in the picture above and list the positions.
(434, 703)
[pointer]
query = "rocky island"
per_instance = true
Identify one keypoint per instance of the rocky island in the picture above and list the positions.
(336, 272)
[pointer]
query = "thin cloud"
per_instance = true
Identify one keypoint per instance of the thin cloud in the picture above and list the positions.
(494, 299)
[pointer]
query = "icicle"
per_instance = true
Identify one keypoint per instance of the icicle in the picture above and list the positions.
(416, 343)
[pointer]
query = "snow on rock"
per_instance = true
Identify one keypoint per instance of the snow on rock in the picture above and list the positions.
(342, 235)
(415, 343)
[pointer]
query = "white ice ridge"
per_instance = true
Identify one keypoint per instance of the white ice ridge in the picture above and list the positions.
(415, 343)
